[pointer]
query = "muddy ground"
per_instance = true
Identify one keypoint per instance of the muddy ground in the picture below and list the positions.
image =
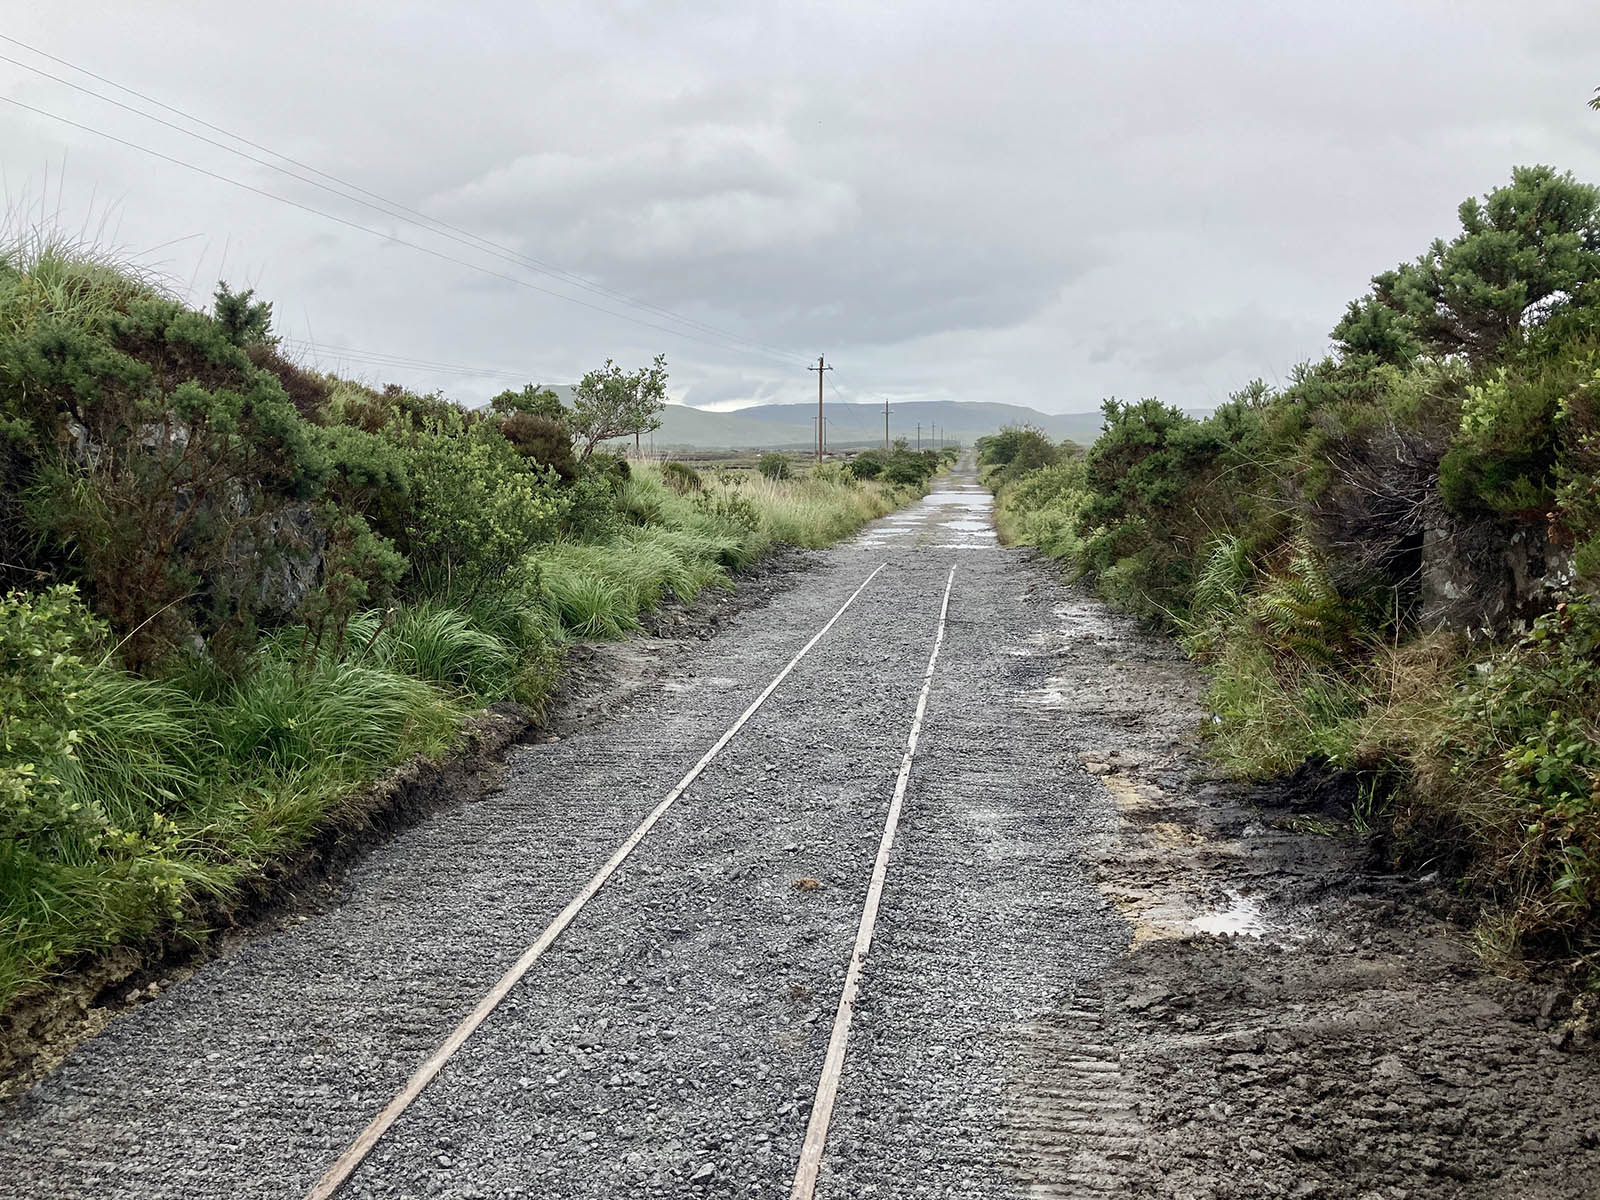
(1334, 1034)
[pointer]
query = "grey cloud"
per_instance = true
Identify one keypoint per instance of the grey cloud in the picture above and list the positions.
(1185, 344)
(1025, 200)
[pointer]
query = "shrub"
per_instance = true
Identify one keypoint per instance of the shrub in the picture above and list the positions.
(681, 477)
(1044, 509)
(773, 466)
(542, 440)
(533, 401)
(1014, 443)
(909, 468)
(476, 504)
(242, 319)
(866, 465)
(1515, 769)
(46, 641)
(181, 461)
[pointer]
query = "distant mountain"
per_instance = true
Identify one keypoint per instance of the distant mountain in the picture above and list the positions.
(852, 426)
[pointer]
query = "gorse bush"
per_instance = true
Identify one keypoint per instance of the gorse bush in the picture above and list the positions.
(1016, 451)
(680, 477)
(1361, 559)
(236, 591)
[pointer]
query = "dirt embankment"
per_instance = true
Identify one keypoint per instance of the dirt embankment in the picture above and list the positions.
(41, 1029)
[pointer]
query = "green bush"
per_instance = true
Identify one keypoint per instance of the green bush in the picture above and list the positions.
(681, 477)
(866, 465)
(1515, 770)
(542, 440)
(773, 466)
(476, 505)
(189, 460)
(46, 643)
(909, 468)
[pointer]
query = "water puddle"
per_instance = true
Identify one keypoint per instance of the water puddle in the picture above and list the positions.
(1045, 697)
(698, 683)
(978, 501)
(961, 516)
(1242, 917)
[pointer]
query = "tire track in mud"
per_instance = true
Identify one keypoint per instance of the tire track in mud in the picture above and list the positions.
(1073, 1128)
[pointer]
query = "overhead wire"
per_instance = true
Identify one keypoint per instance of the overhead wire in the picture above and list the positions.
(390, 208)
(378, 358)
(389, 237)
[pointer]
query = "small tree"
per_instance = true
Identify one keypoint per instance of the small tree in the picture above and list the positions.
(774, 466)
(1521, 248)
(245, 320)
(611, 403)
(532, 399)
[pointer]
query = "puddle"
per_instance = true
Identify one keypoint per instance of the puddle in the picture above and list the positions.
(977, 500)
(1242, 918)
(1045, 697)
(961, 515)
(696, 683)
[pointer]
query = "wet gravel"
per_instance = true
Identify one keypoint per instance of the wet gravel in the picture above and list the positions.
(1039, 1015)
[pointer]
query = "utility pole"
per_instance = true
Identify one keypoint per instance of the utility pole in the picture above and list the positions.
(819, 369)
(919, 435)
(886, 424)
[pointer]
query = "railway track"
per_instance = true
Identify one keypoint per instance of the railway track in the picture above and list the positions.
(739, 986)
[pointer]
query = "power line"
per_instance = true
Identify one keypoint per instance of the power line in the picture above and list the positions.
(380, 358)
(367, 229)
(389, 208)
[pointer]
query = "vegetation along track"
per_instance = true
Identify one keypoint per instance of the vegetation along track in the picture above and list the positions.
(671, 1041)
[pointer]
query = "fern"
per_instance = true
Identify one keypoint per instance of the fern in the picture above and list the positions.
(1303, 612)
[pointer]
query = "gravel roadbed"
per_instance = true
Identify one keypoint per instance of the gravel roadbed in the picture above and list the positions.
(1094, 973)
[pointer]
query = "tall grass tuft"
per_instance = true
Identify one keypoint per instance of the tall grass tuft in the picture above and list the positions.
(45, 272)
(445, 647)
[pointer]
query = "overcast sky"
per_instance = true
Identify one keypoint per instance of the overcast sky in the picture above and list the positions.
(1036, 203)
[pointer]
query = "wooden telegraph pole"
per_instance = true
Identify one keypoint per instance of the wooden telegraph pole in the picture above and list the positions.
(819, 369)
(919, 435)
(886, 424)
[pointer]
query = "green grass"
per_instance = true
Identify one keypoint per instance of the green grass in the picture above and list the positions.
(46, 273)
(195, 782)
(815, 508)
